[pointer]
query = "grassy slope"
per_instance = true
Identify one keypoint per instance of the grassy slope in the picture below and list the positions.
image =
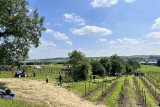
(157, 90)
(132, 95)
(149, 97)
(147, 68)
(95, 96)
(79, 87)
(15, 103)
(111, 101)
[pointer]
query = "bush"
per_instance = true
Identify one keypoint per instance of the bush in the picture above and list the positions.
(80, 73)
(97, 69)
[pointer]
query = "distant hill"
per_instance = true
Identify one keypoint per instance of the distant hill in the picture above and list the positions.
(141, 58)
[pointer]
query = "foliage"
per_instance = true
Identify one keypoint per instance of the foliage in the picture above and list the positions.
(76, 58)
(97, 68)
(117, 64)
(81, 72)
(129, 69)
(79, 64)
(19, 29)
(106, 64)
(158, 62)
(134, 64)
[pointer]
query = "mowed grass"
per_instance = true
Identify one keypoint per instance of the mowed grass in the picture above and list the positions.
(147, 68)
(111, 101)
(131, 92)
(79, 87)
(16, 103)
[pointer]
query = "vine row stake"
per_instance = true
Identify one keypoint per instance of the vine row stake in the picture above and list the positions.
(85, 88)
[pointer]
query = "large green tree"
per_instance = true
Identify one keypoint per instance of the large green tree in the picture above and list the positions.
(19, 30)
(117, 64)
(134, 64)
(106, 64)
(97, 68)
(79, 64)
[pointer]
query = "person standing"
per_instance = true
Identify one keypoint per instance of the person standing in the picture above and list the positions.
(47, 78)
(60, 80)
(34, 72)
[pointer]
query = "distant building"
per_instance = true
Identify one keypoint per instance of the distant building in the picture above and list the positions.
(149, 63)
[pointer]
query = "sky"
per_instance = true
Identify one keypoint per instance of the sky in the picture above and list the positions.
(98, 28)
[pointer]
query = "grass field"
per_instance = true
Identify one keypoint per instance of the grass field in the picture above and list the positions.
(147, 68)
(79, 87)
(16, 103)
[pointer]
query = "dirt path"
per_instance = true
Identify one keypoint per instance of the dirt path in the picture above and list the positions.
(37, 91)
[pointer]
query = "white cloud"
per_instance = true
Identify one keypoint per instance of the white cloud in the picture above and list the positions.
(48, 52)
(68, 42)
(125, 41)
(30, 9)
(128, 41)
(154, 43)
(91, 31)
(58, 24)
(102, 40)
(45, 43)
(60, 36)
(74, 18)
(49, 31)
(157, 24)
(57, 35)
(112, 42)
(120, 47)
(103, 3)
(154, 35)
(31, 51)
(48, 23)
(129, 1)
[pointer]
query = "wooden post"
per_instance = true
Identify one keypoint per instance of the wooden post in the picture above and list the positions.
(89, 86)
(68, 81)
(98, 82)
(155, 90)
(105, 86)
(85, 88)
(142, 90)
(145, 96)
(102, 91)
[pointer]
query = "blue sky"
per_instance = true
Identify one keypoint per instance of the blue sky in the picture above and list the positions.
(98, 27)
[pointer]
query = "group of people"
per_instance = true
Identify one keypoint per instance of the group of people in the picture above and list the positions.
(47, 78)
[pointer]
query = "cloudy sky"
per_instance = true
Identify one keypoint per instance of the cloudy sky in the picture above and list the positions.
(98, 27)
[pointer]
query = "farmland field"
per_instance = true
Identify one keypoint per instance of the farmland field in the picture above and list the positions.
(147, 68)
(126, 91)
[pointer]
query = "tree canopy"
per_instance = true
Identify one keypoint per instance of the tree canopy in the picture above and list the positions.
(19, 30)
(106, 64)
(97, 68)
(158, 62)
(117, 64)
(79, 64)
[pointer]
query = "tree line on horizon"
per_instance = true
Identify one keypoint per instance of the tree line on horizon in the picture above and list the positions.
(104, 67)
